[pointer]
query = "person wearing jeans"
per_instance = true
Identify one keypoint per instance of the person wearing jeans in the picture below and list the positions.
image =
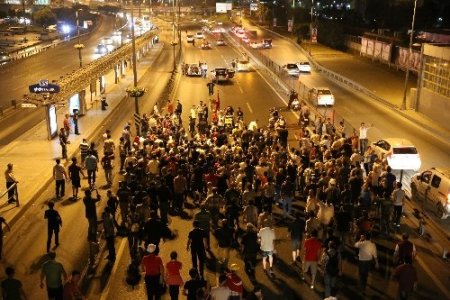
(173, 276)
(367, 253)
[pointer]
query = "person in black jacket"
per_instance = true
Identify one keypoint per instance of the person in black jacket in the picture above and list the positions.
(54, 223)
(250, 249)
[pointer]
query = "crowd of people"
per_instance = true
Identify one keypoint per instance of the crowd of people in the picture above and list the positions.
(235, 174)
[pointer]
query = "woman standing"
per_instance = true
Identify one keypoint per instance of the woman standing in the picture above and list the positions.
(173, 276)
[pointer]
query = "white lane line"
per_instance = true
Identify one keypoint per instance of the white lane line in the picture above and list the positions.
(119, 254)
(430, 273)
(240, 88)
(249, 108)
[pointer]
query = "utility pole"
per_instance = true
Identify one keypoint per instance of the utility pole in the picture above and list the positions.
(133, 47)
(78, 38)
(405, 89)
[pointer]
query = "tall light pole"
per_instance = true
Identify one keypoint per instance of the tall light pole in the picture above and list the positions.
(408, 59)
(133, 48)
(79, 45)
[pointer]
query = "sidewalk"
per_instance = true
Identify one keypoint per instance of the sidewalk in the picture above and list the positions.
(33, 168)
(368, 74)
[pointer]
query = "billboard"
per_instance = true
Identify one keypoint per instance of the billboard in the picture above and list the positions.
(253, 6)
(222, 7)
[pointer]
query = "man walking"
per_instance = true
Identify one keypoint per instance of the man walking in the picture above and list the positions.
(406, 276)
(404, 248)
(84, 148)
(60, 175)
(210, 86)
(63, 141)
(110, 233)
(266, 239)
(91, 214)
(250, 249)
(90, 163)
(367, 253)
(74, 175)
(296, 229)
(54, 222)
(107, 164)
(197, 244)
(311, 250)
(54, 274)
(153, 267)
(12, 288)
(398, 196)
(10, 181)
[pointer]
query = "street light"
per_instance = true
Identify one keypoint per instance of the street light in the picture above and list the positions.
(79, 45)
(408, 59)
(133, 47)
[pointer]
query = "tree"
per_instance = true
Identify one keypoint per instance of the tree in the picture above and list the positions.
(262, 12)
(44, 17)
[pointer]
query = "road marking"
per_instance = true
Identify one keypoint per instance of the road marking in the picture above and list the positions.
(239, 86)
(249, 108)
(440, 285)
(119, 254)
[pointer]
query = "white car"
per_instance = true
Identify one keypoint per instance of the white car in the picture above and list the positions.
(400, 153)
(245, 39)
(189, 38)
(199, 35)
(292, 69)
(194, 70)
(304, 67)
(101, 49)
(220, 42)
(205, 45)
(255, 45)
(243, 66)
(321, 96)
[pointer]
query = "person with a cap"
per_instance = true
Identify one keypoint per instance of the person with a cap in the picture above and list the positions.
(234, 283)
(153, 267)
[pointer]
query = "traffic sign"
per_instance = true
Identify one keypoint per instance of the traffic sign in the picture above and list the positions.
(43, 86)
(28, 105)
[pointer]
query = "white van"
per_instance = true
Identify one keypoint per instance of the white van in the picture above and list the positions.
(321, 96)
(434, 184)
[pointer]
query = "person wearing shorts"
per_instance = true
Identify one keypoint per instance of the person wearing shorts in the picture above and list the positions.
(266, 237)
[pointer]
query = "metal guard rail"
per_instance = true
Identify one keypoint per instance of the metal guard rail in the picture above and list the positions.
(16, 194)
(331, 74)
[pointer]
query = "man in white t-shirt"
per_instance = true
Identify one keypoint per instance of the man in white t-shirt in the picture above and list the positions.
(363, 140)
(267, 237)
(221, 292)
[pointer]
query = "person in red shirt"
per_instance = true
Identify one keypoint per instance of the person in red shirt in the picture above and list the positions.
(234, 283)
(311, 251)
(153, 267)
(406, 276)
(72, 289)
(173, 276)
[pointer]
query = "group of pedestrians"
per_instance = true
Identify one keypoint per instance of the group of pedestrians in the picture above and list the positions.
(235, 176)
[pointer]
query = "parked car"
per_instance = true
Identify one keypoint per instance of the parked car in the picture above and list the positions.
(433, 185)
(194, 70)
(321, 96)
(199, 35)
(400, 153)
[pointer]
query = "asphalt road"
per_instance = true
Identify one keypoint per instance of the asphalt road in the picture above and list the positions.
(52, 64)
(25, 245)
(254, 95)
